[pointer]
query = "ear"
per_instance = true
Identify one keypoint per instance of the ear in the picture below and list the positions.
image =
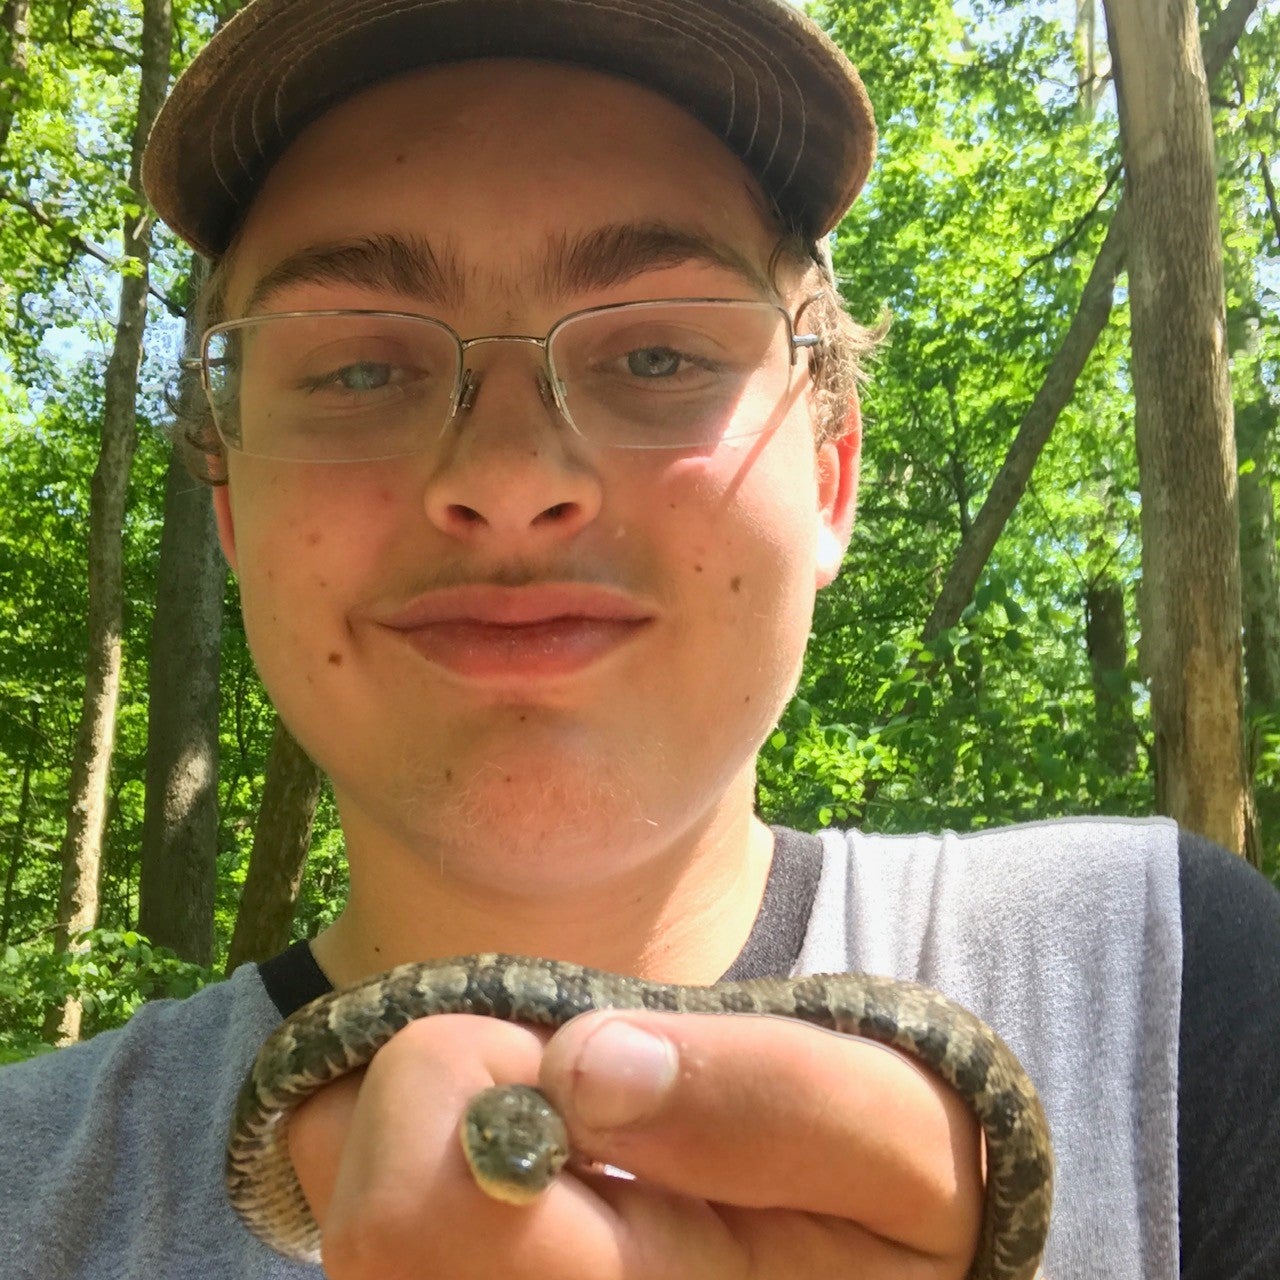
(226, 524)
(838, 461)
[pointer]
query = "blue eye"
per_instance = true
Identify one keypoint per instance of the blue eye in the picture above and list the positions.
(654, 362)
(365, 376)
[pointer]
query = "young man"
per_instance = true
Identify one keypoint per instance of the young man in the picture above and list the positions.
(532, 584)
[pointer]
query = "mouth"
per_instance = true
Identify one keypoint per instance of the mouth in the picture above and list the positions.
(544, 631)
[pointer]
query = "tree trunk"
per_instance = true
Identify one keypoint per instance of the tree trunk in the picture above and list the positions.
(281, 838)
(1183, 418)
(15, 25)
(91, 761)
(1060, 377)
(1088, 75)
(1260, 594)
(1256, 426)
(180, 816)
(18, 842)
(1107, 642)
(1260, 573)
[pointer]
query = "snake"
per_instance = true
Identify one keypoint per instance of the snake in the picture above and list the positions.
(514, 1141)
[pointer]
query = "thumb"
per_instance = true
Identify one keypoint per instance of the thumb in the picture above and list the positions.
(765, 1112)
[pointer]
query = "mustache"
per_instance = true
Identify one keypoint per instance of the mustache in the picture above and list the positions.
(525, 573)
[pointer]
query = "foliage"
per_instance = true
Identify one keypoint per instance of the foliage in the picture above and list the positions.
(990, 198)
(112, 974)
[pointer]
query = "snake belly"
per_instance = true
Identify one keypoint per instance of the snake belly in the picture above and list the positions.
(341, 1031)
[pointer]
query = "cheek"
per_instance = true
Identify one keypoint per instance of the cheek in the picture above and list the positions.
(743, 546)
(747, 534)
(305, 554)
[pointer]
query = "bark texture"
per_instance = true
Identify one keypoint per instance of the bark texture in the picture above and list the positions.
(91, 762)
(281, 837)
(180, 816)
(1183, 419)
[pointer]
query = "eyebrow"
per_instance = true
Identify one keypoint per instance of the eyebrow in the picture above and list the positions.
(614, 254)
(394, 263)
(599, 259)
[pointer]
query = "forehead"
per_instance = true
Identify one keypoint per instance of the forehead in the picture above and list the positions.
(494, 163)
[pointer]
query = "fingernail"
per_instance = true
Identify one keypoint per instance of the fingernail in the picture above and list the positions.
(621, 1075)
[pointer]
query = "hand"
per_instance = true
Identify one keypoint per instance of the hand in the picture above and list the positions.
(762, 1148)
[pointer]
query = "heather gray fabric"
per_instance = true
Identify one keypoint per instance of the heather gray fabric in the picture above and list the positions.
(111, 1151)
(1066, 936)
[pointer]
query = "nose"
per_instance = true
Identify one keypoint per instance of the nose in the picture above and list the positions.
(512, 475)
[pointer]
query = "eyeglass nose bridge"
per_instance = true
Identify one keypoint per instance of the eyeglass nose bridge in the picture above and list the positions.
(470, 385)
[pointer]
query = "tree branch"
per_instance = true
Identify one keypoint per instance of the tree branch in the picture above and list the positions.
(1270, 186)
(1033, 433)
(1075, 231)
(54, 223)
(1220, 39)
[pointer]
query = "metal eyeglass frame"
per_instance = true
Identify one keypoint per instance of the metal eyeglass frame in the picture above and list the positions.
(467, 382)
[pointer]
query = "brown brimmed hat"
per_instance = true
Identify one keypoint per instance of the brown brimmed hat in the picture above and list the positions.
(758, 73)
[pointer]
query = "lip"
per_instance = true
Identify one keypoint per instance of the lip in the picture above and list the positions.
(487, 632)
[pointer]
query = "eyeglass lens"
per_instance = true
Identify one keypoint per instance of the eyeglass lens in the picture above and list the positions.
(351, 386)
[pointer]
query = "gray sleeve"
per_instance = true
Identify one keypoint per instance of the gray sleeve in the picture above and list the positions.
(112, 1150)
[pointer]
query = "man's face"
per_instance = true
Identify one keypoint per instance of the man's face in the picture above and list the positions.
(553, 754)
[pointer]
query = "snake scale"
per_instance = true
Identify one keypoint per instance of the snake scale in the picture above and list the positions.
(342, 1031)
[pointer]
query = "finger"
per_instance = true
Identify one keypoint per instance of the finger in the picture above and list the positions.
(768, 1113)
(380, 1161)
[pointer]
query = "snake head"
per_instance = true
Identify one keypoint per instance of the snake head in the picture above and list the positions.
(515, 1142)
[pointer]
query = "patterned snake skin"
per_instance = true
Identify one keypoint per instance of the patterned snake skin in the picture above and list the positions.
(341, 1031)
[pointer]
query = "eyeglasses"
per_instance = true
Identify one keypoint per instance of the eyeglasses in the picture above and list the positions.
(352, 386)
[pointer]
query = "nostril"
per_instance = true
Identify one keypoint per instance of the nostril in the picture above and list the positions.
(465, 515)
(561, 511)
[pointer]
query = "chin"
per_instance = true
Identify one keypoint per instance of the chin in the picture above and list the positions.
(533, 822)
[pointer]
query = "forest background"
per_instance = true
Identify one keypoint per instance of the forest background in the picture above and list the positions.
(986, 657)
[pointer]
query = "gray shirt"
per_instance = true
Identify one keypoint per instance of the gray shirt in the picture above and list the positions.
(1064, 936)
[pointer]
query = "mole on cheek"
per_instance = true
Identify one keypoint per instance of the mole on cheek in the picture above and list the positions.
(735, 584)
(313, 538)
(335, 659)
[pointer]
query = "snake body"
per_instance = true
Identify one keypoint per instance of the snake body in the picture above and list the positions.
(342, 1031)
